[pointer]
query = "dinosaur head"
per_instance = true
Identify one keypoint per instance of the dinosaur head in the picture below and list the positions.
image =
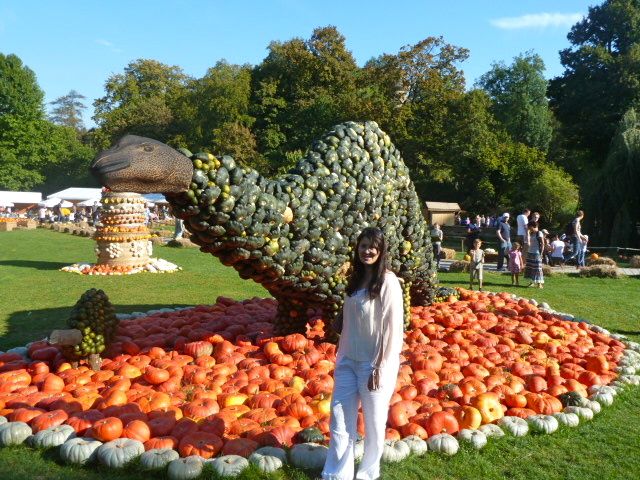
(143, 165)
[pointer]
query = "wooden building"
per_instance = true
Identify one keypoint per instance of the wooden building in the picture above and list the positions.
(442, 213)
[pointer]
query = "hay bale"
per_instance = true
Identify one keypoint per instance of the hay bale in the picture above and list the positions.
(459, 266)
(448, 254)
(157, 241)
(181, 243)
(602, 261)
(547, 271)
(634, 262)
(601, 271)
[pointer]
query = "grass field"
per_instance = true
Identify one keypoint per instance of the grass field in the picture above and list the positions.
(35, 298)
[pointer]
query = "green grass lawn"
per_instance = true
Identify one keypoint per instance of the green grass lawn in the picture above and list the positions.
(35, 298)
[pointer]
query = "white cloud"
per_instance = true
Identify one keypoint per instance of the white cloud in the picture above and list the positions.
(108, 44)
(537, 20)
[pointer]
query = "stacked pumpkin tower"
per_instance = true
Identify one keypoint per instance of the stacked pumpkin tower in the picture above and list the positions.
(123, 237)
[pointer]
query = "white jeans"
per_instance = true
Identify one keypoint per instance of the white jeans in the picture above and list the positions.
(350, 388)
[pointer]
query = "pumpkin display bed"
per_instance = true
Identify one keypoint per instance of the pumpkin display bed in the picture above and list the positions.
(215, 380)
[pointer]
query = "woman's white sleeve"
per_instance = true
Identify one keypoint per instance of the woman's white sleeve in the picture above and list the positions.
(392, 318)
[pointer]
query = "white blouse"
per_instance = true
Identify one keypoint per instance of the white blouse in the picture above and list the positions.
(364, 337)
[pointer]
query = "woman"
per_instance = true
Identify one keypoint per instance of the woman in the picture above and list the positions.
(534, 243)
(367, 360)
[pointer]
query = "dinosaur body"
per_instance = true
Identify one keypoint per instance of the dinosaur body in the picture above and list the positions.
(294, 234)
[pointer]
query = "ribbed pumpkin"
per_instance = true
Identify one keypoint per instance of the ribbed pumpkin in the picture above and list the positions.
(79, 451)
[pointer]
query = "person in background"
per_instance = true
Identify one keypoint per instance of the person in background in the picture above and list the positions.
(522, 221)
(534, 242)
(582, 255)
(516, 264)
(504, 240)
(456, 219)
(557, 252)
(367, 360)
(477, 264)
(535, 216)
(473, 232)
(575, 232)
(546, 249)
(436, 241)
(42, 214)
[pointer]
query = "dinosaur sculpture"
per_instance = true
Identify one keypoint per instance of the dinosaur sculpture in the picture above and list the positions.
(294, 234)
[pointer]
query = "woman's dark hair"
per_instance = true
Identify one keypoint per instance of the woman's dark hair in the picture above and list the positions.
(376, 237)
(532, 223)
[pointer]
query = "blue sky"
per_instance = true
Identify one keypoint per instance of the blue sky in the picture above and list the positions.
(73, 44)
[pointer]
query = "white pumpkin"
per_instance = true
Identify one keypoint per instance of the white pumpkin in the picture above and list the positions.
(594, 406)
(491, 430)
(630, 379)
(265, 463)
(51, 437)
(473, 438)
(593, 389)
(79, 451)
(3, 420)
(185, 468)
(515, 426)
(583, 412)
(157, 458)
(309, 456)
(417, 445)
(567, 419)
(395, 451)
(543, 423)
(14, 433)
(117, 453)
(229, 465)
(443, 443)
(603, 398)
(274, 452)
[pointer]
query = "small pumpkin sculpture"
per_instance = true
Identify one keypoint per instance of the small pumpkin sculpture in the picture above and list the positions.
(229, 465)
(582, 412)
(443, 443)
(543, 423)
(265, 463)
(395, 451)
(117, 453)
(417, 445)
(567, 419)
(157, 458)
(52, 437)
(491, 430)
(308, 456)
(474, 438)
(14, 433)
(515, 426)
(79, 450)
(185, 468)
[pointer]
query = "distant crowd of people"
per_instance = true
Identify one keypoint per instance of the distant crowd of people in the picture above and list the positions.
(91, 214)
(526, 251)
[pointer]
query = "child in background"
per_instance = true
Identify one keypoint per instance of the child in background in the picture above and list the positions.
(476, 265)
(515, 263)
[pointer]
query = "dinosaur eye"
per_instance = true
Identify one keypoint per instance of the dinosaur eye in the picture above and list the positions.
(148, 148)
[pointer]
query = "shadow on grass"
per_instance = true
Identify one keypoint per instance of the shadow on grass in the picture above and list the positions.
(37, 265)
(26, 326)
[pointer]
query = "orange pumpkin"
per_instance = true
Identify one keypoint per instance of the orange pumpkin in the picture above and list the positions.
(107, 429)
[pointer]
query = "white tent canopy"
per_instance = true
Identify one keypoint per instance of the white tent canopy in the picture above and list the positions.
(52, 202)
(90, 202)
(24, 198)
(77, 194)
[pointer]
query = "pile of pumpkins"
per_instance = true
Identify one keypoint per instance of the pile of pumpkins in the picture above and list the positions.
(213, 387)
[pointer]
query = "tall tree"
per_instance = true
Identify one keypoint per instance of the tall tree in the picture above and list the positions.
(20, 94)
(139, 101)
(67, 110)
(519, 94)
(601, 80)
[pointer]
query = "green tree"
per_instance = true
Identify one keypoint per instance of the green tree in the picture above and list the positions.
(601, 81)
(139, 101)
(616, 210)
(20, 94)
(67, 110)
(519, 94)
